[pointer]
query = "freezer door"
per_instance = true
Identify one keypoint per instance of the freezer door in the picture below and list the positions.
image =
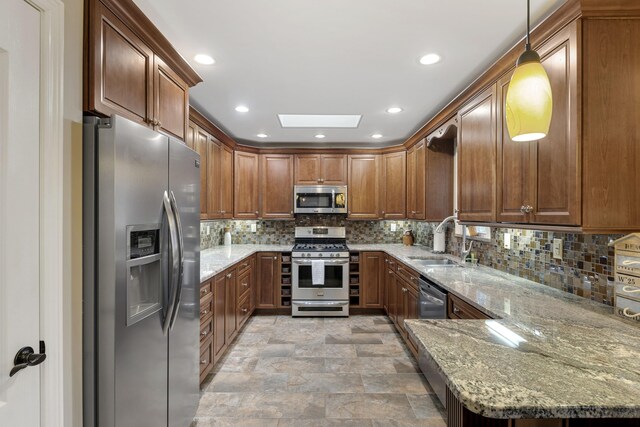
(184, 334)
(127, 284)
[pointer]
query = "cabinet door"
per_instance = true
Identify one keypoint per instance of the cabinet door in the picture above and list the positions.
(385, 285)
(401, 288)
(307, 169)
(394, 185)
(219, 315)
(226, 182)
(171, 101)
(437, 190)
(477, 158)
(371, 279)
(411, 311)
(392, 292)
(213, 179)
(513, 172)
(276, 186)
(230, 305)
(411, 183)
(333, 169)
(191, 135)
(120, 69)
(554, 158)
(420, 183)
(267, 279)
(246, 201)
(364, 186)
(201, 146)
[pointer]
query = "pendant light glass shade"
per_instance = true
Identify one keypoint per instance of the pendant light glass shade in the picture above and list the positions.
(529, 102)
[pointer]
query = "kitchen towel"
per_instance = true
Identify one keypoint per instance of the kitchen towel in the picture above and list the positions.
(317, 272)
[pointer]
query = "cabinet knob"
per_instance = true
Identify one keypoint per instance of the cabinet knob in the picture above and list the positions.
(204, 333)
(456, 310)
(245, 284)
(522, 209)
(244, 310)
(275, 257)
(528, 209)
(291, 212)
(382, 212)
(404, 289)
(203, 362)
(229, 276)
(203, 312)
(256, 212)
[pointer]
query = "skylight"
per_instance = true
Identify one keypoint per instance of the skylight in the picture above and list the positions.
(319, 120)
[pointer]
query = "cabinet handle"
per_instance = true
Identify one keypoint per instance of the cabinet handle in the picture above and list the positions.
(387, 261)
(229, 276)
(221, 212)
(528, 209)
(456, 310)
(204, 291)
(382, 212)
(390, 272)
(204, 333)
(291, 212)
(275, 257)
(204, 362)
(404, 289)
(244, 310)
(245, 284)
(245, 265)
(159, 123)
(204, 312)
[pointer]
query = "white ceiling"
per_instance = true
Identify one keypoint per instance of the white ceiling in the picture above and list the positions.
(336, 57)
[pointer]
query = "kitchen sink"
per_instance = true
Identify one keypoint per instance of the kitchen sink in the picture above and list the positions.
(434, 262)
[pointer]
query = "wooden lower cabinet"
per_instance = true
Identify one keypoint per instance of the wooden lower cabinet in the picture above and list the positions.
(267, 274)
(458, 309)
(372, 279)
(401, 297)
(219, 315)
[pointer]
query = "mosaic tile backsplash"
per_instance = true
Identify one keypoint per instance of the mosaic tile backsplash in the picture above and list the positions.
(585, 270)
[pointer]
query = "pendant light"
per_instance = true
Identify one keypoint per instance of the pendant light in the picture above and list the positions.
(529, 102)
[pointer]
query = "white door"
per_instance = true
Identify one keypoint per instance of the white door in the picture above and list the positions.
(19, 209)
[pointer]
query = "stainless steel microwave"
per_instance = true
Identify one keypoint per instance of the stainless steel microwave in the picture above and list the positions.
(320, 199)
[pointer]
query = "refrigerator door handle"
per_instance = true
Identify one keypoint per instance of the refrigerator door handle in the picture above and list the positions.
(175, 262)
(176, 308)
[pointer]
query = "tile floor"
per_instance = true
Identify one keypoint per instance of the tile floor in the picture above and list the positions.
(318, 372)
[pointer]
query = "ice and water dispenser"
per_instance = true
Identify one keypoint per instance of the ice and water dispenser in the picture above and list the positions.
(144, 278)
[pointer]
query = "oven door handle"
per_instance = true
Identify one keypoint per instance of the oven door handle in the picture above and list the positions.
(321, 303)
(332, 262)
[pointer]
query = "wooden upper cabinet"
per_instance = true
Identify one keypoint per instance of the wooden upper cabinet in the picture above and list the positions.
(214, 188)
(120, 69)
(191, 134)
(437, 195)
(320, 169)
(477, 158)
(246, 189)
(394, 185)
(364, 186)
(201, 146)
(276, 186)
(226, 182)
(416, 181)
(171, 101)
(538, 181)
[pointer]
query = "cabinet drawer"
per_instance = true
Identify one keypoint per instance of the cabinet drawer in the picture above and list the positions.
(408, 274)
(206, 307)
(244, 311)
(206, 358)
(392, 264)
(244, 265)
(206, 329)
(243, 284)
(458, 309)
(205, 289)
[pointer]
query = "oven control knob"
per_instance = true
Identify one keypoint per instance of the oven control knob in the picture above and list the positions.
(332, 255)
(320, 255)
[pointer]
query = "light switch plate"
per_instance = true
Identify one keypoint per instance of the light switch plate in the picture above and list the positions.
(507, 241)
(557, 248)
(254, 228)
(208, 229)
(394, 226)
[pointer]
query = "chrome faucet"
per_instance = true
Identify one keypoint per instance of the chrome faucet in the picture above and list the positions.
(464, 252)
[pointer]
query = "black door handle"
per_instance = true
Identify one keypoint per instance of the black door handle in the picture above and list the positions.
(26, 357)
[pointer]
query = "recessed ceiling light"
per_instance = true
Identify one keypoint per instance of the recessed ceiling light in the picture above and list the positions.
(262, 135)
(319, 121)
(242, 109)
(203, 59)
(430, 59)
(376, 136)
(394, 110)
(320, 136)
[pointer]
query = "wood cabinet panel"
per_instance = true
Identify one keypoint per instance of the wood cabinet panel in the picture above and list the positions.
(214, 198)
(458, 309)
(434, 198)
(246, 189)
(411, 311)
(477, 158)
(121, 69)
(191, 134)
(364, 186)
(333, 169)
(226, 182)
(372, 279)
(230, 324)
(394, 185)
(219, 315)
(171, 101)
(416, 181)
(307, 169)
(267, 276)
(201, 146)
(276, 186)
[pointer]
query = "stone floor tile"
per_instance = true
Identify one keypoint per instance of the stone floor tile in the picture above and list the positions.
(395, 383)
(376, 328)
(370, 338)
(235, 422)
(277, 350)
(245, 382)
(218, 404)
(333, 422)
(380, 350)
(290, 365)
(282, 405)
(236, 364)
(426, 406)
(368, 406)
(409, 423)
(329, 383)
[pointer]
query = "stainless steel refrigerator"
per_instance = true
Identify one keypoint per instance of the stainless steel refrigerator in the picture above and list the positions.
(141, 227)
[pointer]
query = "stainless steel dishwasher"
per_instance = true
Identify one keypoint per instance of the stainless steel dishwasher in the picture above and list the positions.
(433, 305)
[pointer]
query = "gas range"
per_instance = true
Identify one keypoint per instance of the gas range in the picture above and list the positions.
(320, 242)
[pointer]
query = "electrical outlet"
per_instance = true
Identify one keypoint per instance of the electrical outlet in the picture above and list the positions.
(557, 248)
(254, 228)
(394, 227)
(208, 229)
(507, 241)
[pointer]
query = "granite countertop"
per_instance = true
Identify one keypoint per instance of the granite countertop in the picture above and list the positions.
(548, 354)
(216, 259)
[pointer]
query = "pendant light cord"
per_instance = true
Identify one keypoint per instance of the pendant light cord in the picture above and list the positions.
(528, 45)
